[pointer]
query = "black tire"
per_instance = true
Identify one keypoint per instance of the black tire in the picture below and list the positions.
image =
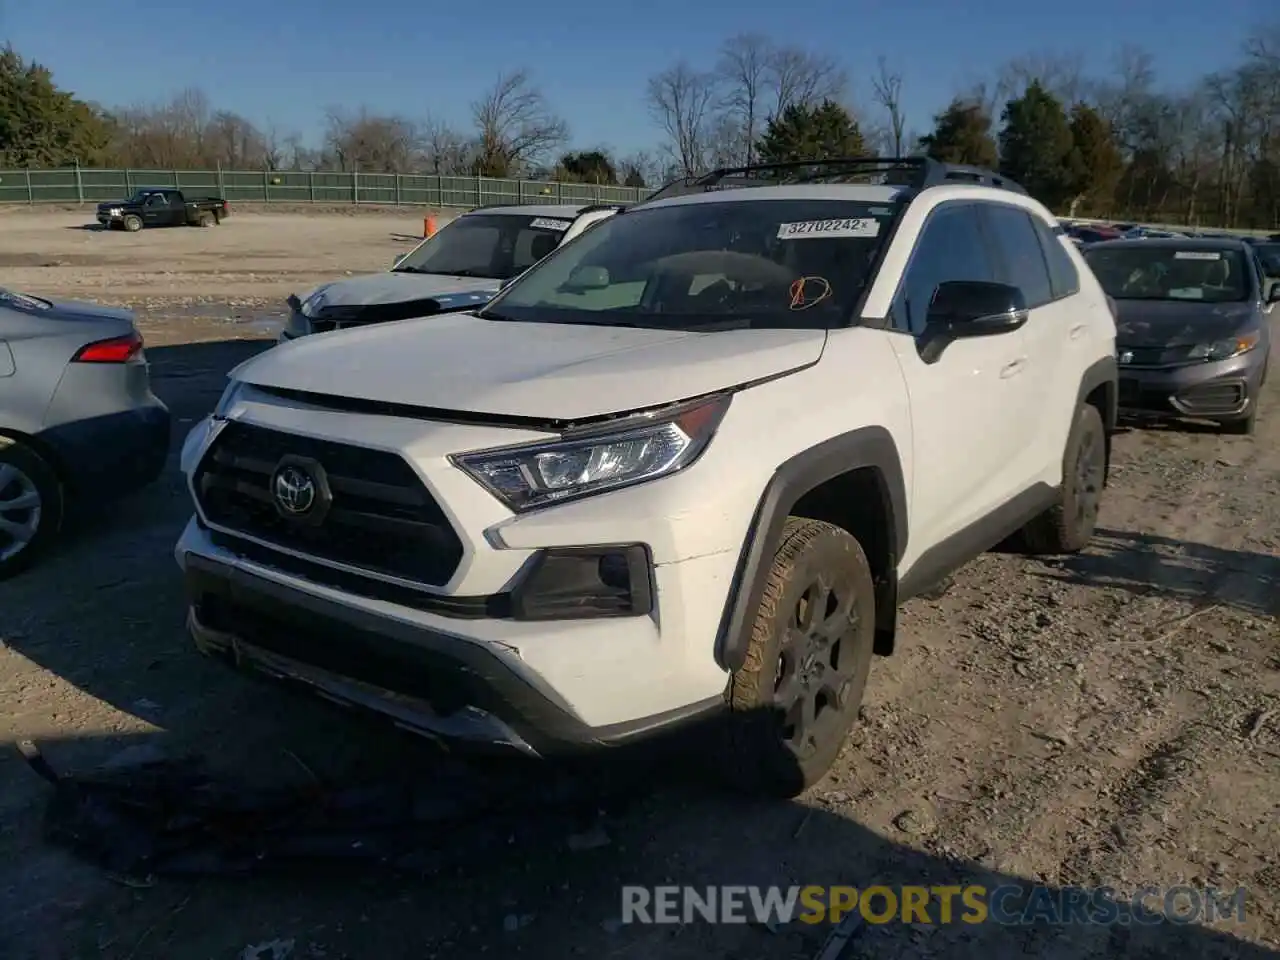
(792, 661)
(1067, 526)
(205, 220)
(133, 223)
(23, 473)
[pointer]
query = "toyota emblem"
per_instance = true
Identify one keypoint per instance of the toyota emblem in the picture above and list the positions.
(295, 490)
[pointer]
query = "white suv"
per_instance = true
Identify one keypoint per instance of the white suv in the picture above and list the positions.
(684, 469)
(458, 268)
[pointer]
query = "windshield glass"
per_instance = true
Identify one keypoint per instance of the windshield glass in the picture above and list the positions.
(1269, 257)
(1165, 272)
(738, 263)
(492, 246)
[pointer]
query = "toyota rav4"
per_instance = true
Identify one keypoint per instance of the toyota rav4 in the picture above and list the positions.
(683, 469)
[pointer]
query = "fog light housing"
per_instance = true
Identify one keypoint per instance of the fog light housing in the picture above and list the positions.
(586, 583)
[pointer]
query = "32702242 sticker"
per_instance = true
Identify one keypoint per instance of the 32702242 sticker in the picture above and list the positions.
(543, 223)
(829, 229)
(1197, 255)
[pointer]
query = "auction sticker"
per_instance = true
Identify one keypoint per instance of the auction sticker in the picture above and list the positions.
(1198, 255)
(824, 229)
(542, 223)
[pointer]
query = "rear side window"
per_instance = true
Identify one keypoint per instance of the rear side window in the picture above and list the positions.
(1022, 257)
(1063, 276)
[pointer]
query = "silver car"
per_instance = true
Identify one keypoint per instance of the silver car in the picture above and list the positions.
(77, 417)
(1193, 330)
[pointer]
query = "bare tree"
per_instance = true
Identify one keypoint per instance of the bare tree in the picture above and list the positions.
(886, 87)
(743, 72)
(447, 152)
(681, 101)
(515, 127)
(371, 142)
(798, 77)
(1061, 74)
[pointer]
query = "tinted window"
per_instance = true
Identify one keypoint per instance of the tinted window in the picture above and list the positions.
(1145, 270)
(951, 247)
(720, 264)
(1063, 276)
(1023, 265)
(496, 246)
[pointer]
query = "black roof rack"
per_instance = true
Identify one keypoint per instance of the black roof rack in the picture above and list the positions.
(912, 173)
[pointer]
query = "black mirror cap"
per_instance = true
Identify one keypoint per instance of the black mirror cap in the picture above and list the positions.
(1274, 295)
(972, 308)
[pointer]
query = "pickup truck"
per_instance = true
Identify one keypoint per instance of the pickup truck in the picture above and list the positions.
(162, 207)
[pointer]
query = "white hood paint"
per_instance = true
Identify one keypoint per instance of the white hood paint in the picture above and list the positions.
(396, 288)
(544, 370)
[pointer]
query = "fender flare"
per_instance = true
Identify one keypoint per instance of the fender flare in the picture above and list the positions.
(868, 447)
(1102, 372)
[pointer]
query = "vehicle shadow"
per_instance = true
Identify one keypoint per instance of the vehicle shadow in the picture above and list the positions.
(548, 884)
(406, 238)
(91, 227)
(1152, 565)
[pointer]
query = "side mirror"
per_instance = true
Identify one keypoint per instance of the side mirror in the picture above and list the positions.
(1273, 296)
(975, 308)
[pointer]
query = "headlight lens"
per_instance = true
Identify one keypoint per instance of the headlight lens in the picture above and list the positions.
(311, 306)
(630, 452)
(228, 399)
(1226, 348)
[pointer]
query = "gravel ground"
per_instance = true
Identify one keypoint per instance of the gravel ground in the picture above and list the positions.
(1109, 719)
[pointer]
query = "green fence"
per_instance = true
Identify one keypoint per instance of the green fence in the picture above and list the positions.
(278, 186)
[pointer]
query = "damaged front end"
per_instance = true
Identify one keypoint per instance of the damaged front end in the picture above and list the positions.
(325, 319)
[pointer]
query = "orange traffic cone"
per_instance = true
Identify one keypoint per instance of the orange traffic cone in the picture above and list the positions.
(428, 226)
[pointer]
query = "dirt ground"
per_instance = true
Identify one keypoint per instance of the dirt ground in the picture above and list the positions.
(1111, 719)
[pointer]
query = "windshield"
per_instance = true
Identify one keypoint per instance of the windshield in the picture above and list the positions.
(1149, 272)
(731, 264)
(1269, 257)
(491, 246)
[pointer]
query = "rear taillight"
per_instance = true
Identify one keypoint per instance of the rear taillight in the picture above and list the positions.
(115, 350)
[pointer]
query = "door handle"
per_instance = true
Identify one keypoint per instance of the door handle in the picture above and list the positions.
(1013, 368)
(1075, 332)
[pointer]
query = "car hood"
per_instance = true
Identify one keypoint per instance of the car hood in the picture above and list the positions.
(396, 287)
(460, 362)
(1179, 323)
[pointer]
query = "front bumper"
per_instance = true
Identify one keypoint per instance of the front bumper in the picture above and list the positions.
(114, 454)
(1222, 390)
(428, 674)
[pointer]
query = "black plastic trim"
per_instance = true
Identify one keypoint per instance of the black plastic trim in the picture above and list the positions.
(945, 558)
(538, 582)
(1103, 372)
(868, 447)
(410, 654)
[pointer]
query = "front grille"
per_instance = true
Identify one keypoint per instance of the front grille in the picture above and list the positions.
(382, 518)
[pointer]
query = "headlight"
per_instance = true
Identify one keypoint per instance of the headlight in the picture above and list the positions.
(311, 306)
(228, 399)
(618, 455)
(1225, 349)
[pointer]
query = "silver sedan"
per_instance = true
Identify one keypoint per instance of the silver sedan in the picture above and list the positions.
(78, 421)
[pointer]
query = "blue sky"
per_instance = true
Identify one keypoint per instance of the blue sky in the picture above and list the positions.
(285, 61)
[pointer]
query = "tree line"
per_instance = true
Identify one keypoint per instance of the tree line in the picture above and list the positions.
(1118, 145)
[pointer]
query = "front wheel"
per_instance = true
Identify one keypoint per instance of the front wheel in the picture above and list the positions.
(1067, 526)
(30, 506)
(796, 697)
(133, 223)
